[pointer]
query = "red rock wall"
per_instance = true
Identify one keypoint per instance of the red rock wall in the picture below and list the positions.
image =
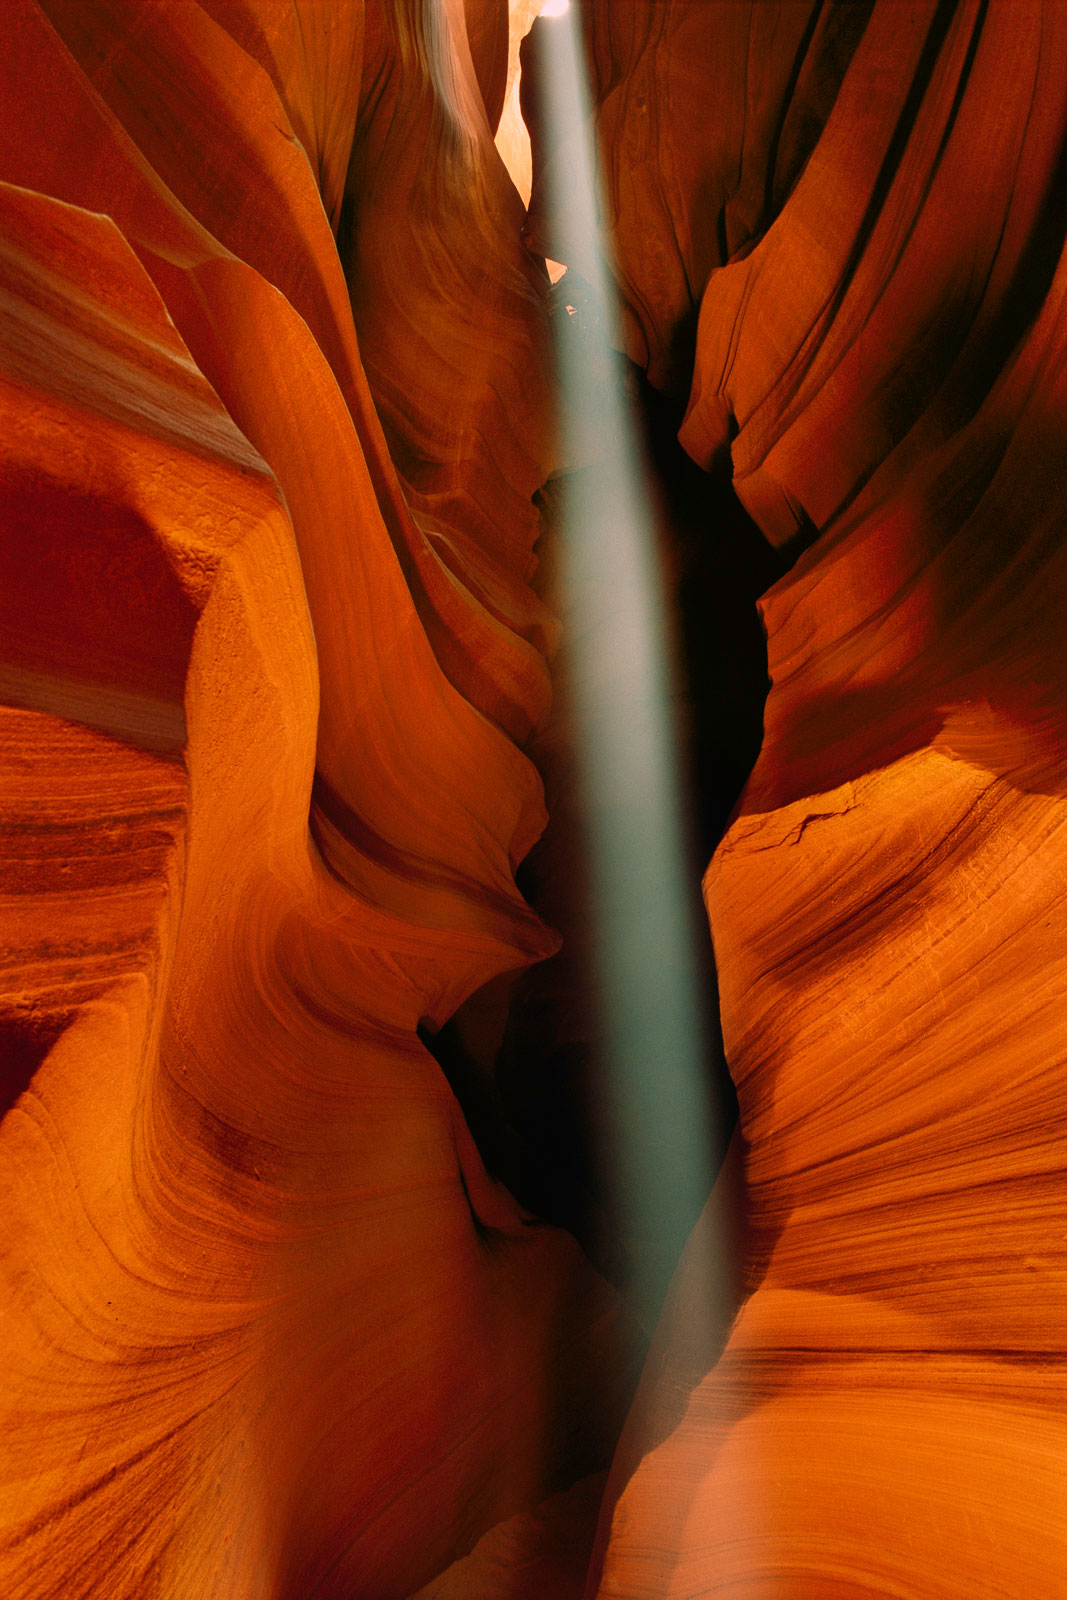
(270, 1328)
(881, 352)
(275, 405)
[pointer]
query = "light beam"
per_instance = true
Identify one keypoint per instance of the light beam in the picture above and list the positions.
(644, 908)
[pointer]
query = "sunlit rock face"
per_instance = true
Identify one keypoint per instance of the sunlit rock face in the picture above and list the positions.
(269, 1329)
(880, 354)
(277, 398)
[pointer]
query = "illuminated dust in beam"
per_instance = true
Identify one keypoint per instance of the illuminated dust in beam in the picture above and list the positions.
(644, 905)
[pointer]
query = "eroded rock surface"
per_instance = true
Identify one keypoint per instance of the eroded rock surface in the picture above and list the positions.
(883, 361)
(270, 1328)
(274, 368)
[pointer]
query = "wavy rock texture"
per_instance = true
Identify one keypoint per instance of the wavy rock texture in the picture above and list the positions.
(882, 355)
(705, 116)
(455, 308)
(270, 1329)
(276, 404)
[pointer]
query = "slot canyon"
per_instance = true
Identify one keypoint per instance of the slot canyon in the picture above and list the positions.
(533, 799)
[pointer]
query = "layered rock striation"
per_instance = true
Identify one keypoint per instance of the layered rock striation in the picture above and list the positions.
(880, 357)
(267, 644)
(278, 402)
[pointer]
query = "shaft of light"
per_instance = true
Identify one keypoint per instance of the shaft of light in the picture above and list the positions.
(644, 902)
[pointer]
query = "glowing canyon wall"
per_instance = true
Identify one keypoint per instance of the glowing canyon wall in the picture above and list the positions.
(278, 400)
(270, 1328)
(873, 236)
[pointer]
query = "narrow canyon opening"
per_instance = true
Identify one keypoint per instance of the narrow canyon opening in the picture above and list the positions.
(531, 1062)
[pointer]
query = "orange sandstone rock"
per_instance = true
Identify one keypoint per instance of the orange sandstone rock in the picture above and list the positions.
(888, 1416)
(706, 115)
(276, 395)
(270, 1327)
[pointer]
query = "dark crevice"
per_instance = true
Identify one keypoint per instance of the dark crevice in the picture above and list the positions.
(24, 1043)
(540, 1118)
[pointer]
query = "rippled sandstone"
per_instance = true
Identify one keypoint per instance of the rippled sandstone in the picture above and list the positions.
(880, 357)
(270, 1327)
(277, 397)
